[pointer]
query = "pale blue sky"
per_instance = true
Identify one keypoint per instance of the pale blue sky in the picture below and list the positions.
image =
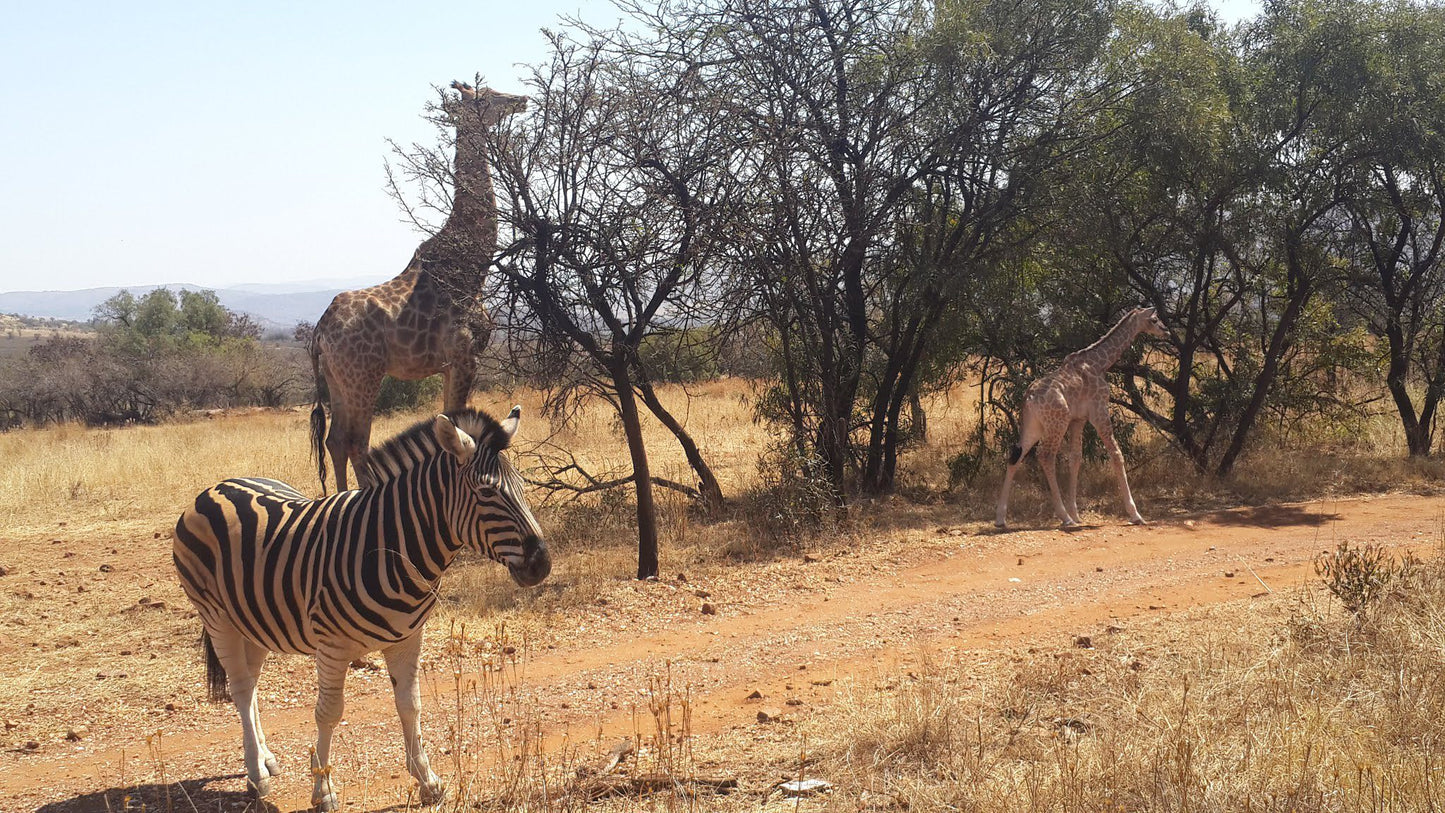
(149, 142)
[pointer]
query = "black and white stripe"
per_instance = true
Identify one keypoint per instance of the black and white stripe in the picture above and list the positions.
(270, 570)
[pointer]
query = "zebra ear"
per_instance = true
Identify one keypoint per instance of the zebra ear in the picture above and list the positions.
(457, 443)
(509, 425)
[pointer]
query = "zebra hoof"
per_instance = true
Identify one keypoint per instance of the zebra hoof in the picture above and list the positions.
(432, 793)
(1000, 524)
(325, 804)
(1138, 521)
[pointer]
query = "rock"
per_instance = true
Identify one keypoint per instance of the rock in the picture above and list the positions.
(170, 707)
(756, 695)
(771, 714)
(509, 650)
(77, 733)
(32, 745)
(107, 568)
(1084, 642)
(366, 664)
(682, 577)
(793, 701)
(4, 571)
(701, 593)
(822, 682)
(709, 608)
(799, 788)
(810, 558)
(1229, 574)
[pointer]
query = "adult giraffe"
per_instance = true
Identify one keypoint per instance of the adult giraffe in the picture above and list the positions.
(429, 318)
(1060, 402)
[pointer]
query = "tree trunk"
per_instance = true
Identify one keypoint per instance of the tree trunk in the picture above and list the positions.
(707, 485)
(647, 564)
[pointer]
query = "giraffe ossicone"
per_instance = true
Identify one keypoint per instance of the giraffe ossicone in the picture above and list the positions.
(428, 319)
(1059, 404)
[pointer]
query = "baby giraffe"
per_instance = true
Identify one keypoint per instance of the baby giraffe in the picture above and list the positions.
(1060, 402)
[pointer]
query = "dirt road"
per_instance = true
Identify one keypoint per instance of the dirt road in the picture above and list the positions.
(785, 630)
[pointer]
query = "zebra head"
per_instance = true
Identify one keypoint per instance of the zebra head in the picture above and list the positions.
(490, 511)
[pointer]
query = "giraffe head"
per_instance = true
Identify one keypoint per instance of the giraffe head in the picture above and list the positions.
(1149, 322)
(485, 107)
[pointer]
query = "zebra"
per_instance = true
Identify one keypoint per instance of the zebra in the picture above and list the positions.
(270, 570)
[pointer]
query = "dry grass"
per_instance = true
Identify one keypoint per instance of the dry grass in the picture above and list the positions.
(1291, 704)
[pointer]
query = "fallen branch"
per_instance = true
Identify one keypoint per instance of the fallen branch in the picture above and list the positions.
(604, 787)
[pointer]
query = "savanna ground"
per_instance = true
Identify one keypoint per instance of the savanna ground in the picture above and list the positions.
(911, 657)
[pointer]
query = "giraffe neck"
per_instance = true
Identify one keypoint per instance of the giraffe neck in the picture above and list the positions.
(457, 256)
(1105, 352)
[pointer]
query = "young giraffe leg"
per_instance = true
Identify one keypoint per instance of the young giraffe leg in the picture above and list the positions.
(1028, 435)
(1048, 458)
(1106, 434)
(457, 384)
(1076, 457)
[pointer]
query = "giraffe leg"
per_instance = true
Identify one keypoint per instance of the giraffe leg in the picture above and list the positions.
(330, 703)
(233, 651)
(402, 662)
(352, 407)
(256, 658)
(1048, 458)
(1028, 436)
(1076, 458)
(1106, 434)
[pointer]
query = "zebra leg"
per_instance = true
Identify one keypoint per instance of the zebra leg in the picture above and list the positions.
(330, 703)
(402, 663)
(232, 650)
(256, 657)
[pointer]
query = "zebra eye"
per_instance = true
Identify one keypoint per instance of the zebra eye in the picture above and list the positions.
(487, 491)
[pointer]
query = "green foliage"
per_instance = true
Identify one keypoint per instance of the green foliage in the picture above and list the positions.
(1360, 576)
(401, 396)
(683, 356)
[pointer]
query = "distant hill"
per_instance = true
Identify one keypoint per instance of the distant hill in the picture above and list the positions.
(274, 306)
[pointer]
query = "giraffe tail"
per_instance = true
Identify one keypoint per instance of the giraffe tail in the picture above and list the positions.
(318, 416)
(216, 688)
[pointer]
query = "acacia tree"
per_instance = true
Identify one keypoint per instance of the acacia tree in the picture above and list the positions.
(612, 195)
(1396, 235)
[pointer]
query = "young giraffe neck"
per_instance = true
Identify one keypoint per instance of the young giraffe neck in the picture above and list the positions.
(1105, 352)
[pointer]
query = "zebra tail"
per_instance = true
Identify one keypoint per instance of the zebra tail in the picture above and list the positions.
(318, 416)
(1015, 454)
(216, 688)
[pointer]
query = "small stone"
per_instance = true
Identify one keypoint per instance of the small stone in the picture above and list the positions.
(792, 701)
(955, 532)
(591, 685)
(170, 707)
(1229, 574)
(770, 715)
(822, 682)
(709, 609)
(366, 664)
(756, 695)
(700, 593)
(1098, 570)
(805, 787)
(1084, 642)
(810, 558)
(682, 577)
(509, 650)
(125, 652)
(4, 571)
(77, 733)
(32, 745)
(107, 568)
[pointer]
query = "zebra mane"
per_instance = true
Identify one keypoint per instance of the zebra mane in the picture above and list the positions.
(418, 443)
